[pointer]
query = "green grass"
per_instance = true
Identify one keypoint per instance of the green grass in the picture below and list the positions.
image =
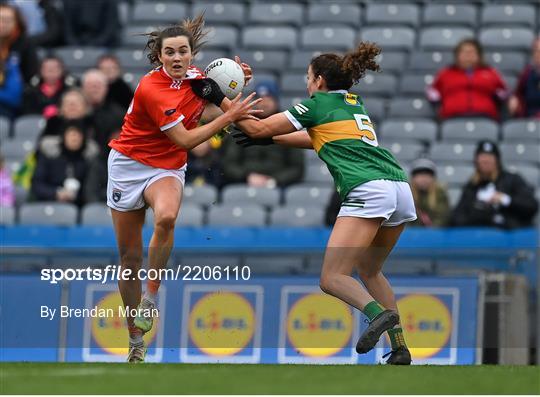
(100, 378)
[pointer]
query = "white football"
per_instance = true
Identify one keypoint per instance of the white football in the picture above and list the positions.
(228, 74)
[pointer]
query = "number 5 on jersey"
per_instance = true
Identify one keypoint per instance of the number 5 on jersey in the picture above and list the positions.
(367, 133)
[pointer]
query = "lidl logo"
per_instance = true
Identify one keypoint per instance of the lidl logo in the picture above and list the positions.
(110, 333)
(319, 325)
(233, 84)
(426, 322)
(222, 323)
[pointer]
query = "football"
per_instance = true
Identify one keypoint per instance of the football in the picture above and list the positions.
(228, 74)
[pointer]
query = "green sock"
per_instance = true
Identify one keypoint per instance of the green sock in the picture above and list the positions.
(372, 310)
(396, 337)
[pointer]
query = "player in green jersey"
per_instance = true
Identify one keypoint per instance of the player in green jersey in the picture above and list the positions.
(376, 198)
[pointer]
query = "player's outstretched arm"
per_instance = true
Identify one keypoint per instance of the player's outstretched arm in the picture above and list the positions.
(297, 139)
(188, 139)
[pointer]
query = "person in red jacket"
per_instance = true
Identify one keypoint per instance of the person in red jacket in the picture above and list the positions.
(469, 87)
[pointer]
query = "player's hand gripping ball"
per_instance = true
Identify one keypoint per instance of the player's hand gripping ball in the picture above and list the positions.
(227, 74)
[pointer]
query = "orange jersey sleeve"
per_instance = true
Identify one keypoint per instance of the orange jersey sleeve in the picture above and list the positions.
(159, 103)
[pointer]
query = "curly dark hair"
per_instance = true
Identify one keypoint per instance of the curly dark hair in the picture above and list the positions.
(193, 29)
(342, 72)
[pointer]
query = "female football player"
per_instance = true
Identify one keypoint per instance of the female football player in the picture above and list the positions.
(376, 198)
(147, 162)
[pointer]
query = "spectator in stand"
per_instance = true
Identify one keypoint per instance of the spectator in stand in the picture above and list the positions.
(526, 99)
(91, 23)
(107, 118)
(11, 88)
(7, 190)
(14, 42)
(430, 197)
(119, 92)
(73, 108)
(62, 166)
(469, 87)
(493, 196)
(43, 94)
(263, 166)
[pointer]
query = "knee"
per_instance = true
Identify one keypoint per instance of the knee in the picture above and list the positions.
(328, 283)
(367, 274)
(131, 260)
(165, 220)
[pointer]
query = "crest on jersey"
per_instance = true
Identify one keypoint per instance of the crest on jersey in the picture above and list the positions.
(169, 112)
(352, 99)
(116, 195)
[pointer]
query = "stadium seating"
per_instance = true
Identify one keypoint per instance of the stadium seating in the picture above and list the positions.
(410, 107)
(224, 37)
(402, 38)
(469, 130)
(298, 215)
(431, 61)
(443, 38)
(328, 38)
(241, 194)
(220, 13)
(205, 195)
(415, 83)
(272, 60)
(377, 84)
(276, 13)
(162, 12)
(388, 14)
(506, 38)
(5, 128)
(349, 14)
(96, 214)
(408, 130)
(521, 130)
(28, 127)
(274, 264)
(304, 193)
(237, 215)
(7, 216)
(48, 213)
(450, 14)
(456, 152)
(269, 37)
(508, 14)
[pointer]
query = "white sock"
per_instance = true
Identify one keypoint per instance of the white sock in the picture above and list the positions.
(135, 339)
(150, 297)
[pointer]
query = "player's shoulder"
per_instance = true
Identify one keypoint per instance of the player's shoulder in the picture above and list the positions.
(193, 72)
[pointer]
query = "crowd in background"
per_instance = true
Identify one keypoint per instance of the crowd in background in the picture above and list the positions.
(82, 115)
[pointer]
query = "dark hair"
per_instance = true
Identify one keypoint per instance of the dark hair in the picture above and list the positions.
(341, 72)
(193, 29)
(470, 41)
(19, 19)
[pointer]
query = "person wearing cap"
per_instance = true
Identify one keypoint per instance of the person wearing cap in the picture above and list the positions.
(494, 196)
(263, 166)
(430, 197)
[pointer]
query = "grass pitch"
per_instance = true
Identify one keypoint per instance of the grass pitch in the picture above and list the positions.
(101, 378)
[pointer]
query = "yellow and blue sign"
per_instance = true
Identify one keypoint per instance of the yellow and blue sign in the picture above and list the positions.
(221, 323)
(315, 327)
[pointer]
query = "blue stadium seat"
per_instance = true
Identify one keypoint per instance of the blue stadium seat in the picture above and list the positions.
(205, 195)
(509, 14)
(443, 38)
(298, 215)
(7, 216)
(452, 152)
(240, 194)
(272, 60)
(276, 13)
(409, 130)
(392, 61)
(224, 37)
(450, 14)
(403, 151)
(221, 13)
(190, 215)
(386, 14)
(521, 130)
(525, 152)
(349, 14)
(415, 83)
(270, 37)
(158, 12)
(28, 127)
(79, 57)
(383, 84)
(517, 39)
(328, 37)
(302, 193)
(48, 213)
(237, 215)
(410, 107)
(395, 38)
(96, 214)
(430, 60)
(506, 61)
(469, 130)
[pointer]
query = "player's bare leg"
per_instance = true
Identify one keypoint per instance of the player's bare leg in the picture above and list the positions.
(164, 197)
(128, 227)
(369, 270)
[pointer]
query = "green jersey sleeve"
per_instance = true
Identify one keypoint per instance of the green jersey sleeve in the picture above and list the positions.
(302, 115)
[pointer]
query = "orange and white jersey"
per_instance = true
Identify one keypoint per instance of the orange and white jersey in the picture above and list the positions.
(159, 103)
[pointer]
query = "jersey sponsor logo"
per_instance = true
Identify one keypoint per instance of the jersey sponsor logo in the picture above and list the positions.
(352, 99)
(168, 112)
(116, 195)
(426, 322)
(301, 108)
(319, 325)
(109, 333)
(222, 324)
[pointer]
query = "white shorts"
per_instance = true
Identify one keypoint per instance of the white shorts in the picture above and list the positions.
(390, 200)
(128, 180)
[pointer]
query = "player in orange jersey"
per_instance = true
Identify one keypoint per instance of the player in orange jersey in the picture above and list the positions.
(147, 162)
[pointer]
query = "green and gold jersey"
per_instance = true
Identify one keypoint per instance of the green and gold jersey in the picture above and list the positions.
(344, 138)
